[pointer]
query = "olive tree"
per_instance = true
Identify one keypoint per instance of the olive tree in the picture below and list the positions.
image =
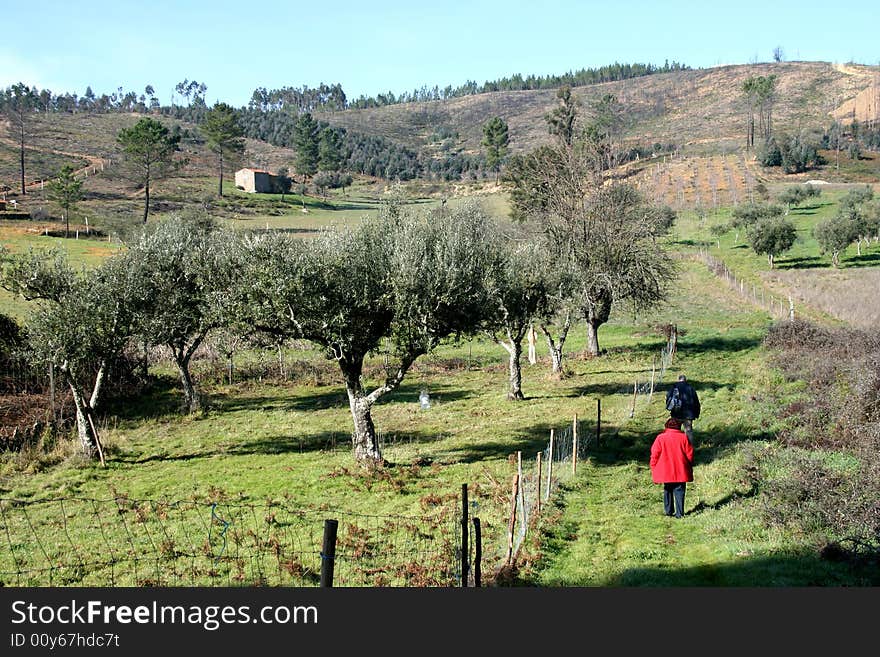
(835, 234)
(771, 237)
(182, 272)
(398, 279)
(607, 233)
(521, 295)
(617, 256)
(81, 324)
(855, 208)
(560, 311)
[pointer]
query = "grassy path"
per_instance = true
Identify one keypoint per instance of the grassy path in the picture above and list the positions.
(611, 529)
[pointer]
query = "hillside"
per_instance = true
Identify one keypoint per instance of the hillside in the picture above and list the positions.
(700, 112)
(272, 441)
(700, 108)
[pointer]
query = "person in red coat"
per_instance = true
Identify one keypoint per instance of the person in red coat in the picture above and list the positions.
(672, 464)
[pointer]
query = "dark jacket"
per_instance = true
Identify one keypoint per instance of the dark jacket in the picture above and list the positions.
(672, 458)
(690, 402)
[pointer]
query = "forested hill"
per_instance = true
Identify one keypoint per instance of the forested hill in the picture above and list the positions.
(685, 107)
(703, 111)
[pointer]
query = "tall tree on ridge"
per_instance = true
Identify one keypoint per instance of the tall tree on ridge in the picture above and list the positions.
(224, 134)
(66, 191)
(22, 101)
(561, 120)
(496, 138)
(305, 141)
(148, 147)
(329, 150)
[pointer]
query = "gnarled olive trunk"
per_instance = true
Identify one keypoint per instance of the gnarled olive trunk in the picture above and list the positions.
(364, 440)
(182, 354)
(513, 347)
(556, 346)
(87, 439)
(86, 428)
(191, 398)
(596, 314)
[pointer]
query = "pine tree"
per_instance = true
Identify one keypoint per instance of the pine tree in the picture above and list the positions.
(224, 134)
(305, 142)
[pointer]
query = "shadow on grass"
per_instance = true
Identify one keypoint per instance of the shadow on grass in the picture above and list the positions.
(353, 205)
(325, 441)
(160, 398)
(528, 440)
(336, 397)
(795, 569)
(806, 262)
(719, 343)
(798, 569)
(712, 441)
(864, 260)
(817, 262)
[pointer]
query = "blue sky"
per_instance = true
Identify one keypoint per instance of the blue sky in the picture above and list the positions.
(381, 45)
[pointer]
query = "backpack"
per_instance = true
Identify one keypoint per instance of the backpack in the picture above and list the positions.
(673, 403)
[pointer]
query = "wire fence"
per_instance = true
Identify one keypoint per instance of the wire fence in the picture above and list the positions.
(536, 480)
(777, 307)
(126, 542)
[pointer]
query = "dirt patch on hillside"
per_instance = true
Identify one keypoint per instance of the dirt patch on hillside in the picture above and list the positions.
(847, 294)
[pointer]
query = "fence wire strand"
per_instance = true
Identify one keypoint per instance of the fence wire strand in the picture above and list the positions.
(125, 542)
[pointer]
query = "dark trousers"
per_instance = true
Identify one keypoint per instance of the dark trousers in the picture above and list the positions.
(673, 499)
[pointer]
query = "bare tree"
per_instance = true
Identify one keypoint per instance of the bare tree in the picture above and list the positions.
(21, 101)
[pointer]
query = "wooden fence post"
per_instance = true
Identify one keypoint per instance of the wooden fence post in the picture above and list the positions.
(632, 411)
(52, 393)
(328, 552)
(538, 507)
(522, 494)
(598, 419)
(574, 445)
(478, 553)
(653, 370)
(464, 536)
(549, 466)
(512, 522)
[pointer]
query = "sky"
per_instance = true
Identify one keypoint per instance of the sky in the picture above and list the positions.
(375, 46)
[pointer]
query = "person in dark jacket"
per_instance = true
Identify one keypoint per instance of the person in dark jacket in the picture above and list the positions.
(689, 408)
(672, 464)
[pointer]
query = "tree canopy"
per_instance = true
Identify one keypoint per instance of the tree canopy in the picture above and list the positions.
(399, 282)
(224, 134)
(66, 191)
(772, 236)
(495, 140)
(306, 143)
(148, 147)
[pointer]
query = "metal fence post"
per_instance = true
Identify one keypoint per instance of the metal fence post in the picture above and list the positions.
(328, 552)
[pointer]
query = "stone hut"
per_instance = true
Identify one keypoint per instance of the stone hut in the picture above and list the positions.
(256, 180)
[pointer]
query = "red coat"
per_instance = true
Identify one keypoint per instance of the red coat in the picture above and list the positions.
(672, 458)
